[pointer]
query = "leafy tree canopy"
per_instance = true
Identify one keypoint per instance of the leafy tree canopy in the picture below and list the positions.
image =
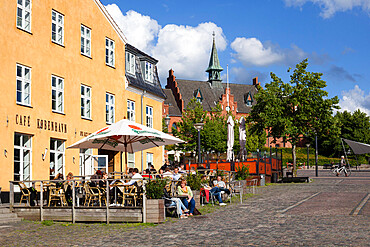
(300, 108)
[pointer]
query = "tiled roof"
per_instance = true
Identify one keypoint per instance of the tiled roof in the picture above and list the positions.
(213, 95)
(239, 91)
(173, 108)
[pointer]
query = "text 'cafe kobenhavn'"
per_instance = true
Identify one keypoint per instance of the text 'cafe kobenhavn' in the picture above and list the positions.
(41, 124)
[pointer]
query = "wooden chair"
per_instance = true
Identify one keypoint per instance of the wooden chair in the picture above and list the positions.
(130, 194)
(56, 194)
(94, 194)
(26, 194)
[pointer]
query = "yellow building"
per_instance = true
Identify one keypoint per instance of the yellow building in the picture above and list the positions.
(63, 76)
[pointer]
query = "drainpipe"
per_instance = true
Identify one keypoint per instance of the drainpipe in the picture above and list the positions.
(142, 116)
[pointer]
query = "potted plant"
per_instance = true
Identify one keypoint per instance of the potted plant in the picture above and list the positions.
(155, 208)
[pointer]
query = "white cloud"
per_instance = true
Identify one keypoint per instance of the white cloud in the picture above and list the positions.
(251, 51)
(355, 99)
(141, 31)
(185, 49)
(330, 7)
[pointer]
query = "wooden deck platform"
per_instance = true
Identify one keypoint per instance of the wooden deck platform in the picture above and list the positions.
(81, 214)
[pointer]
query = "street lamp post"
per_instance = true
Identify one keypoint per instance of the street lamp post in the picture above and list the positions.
(199, 127)
(316, 156)
(167, 120)
(308, 155)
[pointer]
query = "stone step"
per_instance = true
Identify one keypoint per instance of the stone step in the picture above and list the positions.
(9, 220)
(4, 210)
(8, 215)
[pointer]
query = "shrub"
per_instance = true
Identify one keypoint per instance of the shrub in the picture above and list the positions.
(194, 181)
(154, 189)
(242, 173)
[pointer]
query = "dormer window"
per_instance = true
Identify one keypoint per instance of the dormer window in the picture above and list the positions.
(248, 99)
(148, 71)
(130, 63)
(198, 95)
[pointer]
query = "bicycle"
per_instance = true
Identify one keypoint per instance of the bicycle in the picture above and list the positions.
(339, 171)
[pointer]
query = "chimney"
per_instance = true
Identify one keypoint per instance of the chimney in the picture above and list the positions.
(255, 81)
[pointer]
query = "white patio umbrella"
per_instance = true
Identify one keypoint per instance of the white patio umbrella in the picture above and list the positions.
(242, 138)
(230, 138)
(126, 136)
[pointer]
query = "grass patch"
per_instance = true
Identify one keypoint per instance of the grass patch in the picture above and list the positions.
(47, 222)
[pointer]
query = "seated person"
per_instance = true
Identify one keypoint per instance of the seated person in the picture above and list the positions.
(182, 168)
(68, 188)
(215, 191)
(181, 210)
(103, 182)
(221, 184)
(167, 173)
(188, 201)
(176, 175)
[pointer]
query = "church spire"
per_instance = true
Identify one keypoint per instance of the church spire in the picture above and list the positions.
(214, 67)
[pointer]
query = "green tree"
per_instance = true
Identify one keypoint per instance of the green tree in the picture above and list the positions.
(294, 110)
(192, 114)
(214, 133)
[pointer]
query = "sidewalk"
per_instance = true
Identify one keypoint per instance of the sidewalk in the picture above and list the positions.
(330, 211)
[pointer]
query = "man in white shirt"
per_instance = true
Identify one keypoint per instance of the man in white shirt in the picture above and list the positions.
(135, 177)
(176, 175)
(221, 184)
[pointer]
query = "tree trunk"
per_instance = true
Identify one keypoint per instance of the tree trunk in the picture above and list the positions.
(294, 159)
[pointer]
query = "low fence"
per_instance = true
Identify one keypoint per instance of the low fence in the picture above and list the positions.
(268, 164)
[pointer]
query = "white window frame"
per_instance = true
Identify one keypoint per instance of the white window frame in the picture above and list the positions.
(25, 148)
(85, 41)
(109, 52)
(149, 159)
(23, 91)
(57, 35)
(149, 116)
(24, 15)
(57, 94)
(85, 101)
(130, 63)
(59, 157)
(86, 162)
(131, 160)
(109, 108)
(148, 71)
(131, 110)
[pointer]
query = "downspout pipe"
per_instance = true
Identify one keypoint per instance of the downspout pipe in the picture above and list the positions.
(142, 117)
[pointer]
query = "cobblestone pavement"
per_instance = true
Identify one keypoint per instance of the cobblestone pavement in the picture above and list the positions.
(329, 211)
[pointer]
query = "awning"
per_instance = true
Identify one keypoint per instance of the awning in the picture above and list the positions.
(358, 147)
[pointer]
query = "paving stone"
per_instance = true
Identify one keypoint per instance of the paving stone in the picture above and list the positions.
(263, 220)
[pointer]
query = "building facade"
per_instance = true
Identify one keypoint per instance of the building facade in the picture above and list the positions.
(235, 98)
(63, 76)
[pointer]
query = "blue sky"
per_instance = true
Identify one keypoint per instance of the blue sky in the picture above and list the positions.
(255, 38)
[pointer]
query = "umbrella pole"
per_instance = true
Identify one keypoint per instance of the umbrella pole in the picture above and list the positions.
(125, 158)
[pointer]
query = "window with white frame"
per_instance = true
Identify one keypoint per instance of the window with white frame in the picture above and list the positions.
(131, 110)
(85, 101)
(130, 63)
(85, 41)
(22, 157)
(57, 94)
(109, 108)
(148, 73)
(23, 85)
(86, 162)
(109, 52)
(56, 157)
(131, 160)
(24, 14)
(149, 116)
(149, 159)
(57, 27)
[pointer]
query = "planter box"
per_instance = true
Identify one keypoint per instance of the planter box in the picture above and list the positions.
(155, 211)
(196, 194)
